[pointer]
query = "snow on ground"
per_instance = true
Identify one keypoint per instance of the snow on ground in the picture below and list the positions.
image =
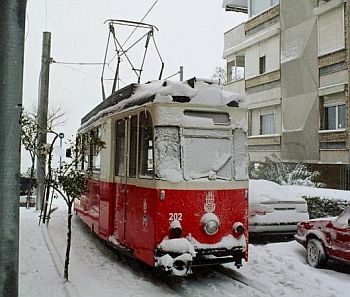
(277, 269)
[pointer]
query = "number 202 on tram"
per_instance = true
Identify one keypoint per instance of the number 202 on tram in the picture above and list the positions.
(170, 185)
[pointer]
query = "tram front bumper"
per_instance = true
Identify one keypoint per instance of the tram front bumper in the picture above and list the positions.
(179, 255)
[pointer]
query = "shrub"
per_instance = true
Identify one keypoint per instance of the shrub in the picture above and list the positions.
(275, 170)
(322, 207)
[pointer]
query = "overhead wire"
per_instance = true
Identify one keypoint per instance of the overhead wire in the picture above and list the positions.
(78, 63)
(149, 10)
(128, 38)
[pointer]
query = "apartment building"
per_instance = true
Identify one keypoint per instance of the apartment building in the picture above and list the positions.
(291, 60)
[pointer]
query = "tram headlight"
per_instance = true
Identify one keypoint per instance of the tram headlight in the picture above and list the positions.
(175, 229)
(238, 228)
(210, 223)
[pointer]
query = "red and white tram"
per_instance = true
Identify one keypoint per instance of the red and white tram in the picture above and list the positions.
(170, 186)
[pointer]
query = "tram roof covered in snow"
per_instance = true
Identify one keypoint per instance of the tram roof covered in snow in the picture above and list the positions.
(194, 91)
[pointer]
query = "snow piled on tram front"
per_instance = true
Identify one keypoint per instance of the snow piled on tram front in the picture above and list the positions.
(206, 92)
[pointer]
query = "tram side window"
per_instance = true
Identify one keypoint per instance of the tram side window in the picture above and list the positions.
(120, 148)
(167, 154)
(84, 161)
(133, 146)
(146, 145)
(95, 150)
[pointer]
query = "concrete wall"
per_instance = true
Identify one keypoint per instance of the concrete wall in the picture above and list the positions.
(299, 81)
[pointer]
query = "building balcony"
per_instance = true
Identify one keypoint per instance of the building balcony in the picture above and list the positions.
(234, 37)
(236, 86)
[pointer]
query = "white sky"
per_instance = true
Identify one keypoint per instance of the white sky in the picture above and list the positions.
(190, 34)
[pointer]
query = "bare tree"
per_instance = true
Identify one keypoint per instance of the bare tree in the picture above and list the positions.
(29, 135)
(219, 75)
(70, 183)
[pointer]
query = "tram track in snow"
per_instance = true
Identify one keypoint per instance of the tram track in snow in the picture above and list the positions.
(236, 276)
(215, 281)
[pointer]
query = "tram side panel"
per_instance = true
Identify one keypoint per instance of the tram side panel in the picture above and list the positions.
(88, 206)
(106, 209)
(134, 220)
(140, 222)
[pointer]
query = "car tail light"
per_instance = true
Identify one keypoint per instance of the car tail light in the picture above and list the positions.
(259, 212)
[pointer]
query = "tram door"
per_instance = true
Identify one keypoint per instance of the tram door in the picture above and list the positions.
(121, 178)
(126, 162)
(134, 162)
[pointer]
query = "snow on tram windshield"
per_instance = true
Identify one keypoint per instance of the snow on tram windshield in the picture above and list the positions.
(205, 154)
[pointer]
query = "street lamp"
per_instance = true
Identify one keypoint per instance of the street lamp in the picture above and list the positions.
(47, 192)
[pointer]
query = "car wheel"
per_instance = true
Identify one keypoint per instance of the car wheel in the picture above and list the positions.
(316, 254)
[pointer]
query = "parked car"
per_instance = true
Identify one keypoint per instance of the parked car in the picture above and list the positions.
(326, 238)
(273, 209)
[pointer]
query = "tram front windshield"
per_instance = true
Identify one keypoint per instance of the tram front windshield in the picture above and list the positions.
(196, 155)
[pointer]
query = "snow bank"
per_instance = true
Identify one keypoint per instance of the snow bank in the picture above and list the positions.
(333, 194)
(264, 190)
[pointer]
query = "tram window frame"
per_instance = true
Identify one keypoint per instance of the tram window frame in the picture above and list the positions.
(84, 161)
(146, 146)
(133, 145)
(95, 150)
(120, 166)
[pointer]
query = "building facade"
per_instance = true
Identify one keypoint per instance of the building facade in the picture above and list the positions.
(291, 59)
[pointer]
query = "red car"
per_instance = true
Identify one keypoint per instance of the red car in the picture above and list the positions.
(326, 238)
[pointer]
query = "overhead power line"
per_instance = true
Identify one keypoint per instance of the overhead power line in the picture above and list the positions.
(78, 63)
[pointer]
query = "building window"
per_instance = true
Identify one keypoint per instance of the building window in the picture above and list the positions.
(236, 69)
(258, 6)
(334, 117)
(267, 124)
(262, 64)
(331, 31)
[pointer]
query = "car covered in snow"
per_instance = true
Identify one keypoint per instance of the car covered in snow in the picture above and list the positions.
(326, 238)
(274, 209)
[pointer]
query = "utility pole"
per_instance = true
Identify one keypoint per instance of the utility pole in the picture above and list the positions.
(12, 27)
(42, 118)
(181, 72)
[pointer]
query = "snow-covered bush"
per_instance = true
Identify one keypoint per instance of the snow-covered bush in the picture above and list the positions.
(319, 207)
(275, 170)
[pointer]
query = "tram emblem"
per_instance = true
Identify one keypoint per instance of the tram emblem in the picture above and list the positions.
(209, 205)
(144, 218)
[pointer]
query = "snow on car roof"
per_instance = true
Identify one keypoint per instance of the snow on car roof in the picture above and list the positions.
(268, 191)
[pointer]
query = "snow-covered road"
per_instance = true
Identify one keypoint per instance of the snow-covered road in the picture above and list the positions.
(277, 269)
